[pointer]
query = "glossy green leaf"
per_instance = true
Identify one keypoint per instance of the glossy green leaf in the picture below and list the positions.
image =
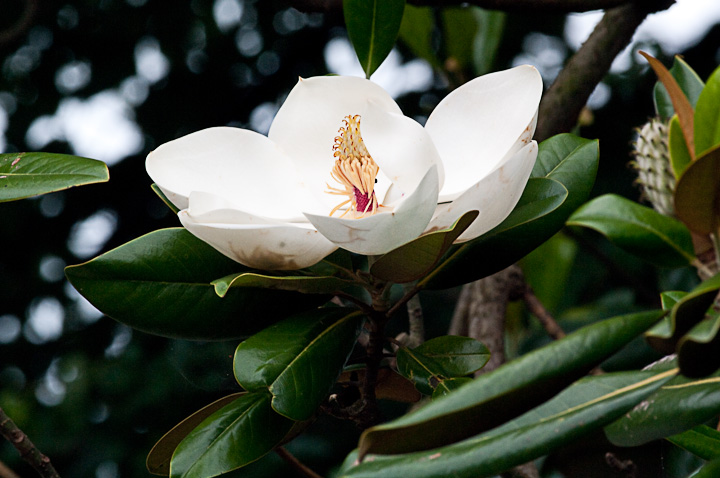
(709, 470)
(429, 364)
(670, 298)
(699, 350)
(508, 391)
(232, 437)
(158, 460)
(679, 155)
(678, 406)
(416, 32)
(156, 189)
(547, 269)
(508, 241)
(637, 229)
(540, 213)
(585, 406)
(298, 359)
(707, 115)
(24, 175)
(697, 194)
(701, 441)
(304, 284)
(680, 102)
(688, 81)
(415, 259)
(447, 386)
(160, 283)
(373, 26)
(687, 311)
(491, 26)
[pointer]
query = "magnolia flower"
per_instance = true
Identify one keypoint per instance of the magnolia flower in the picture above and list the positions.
(342, 166)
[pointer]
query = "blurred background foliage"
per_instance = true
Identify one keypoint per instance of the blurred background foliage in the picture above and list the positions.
(111, 79)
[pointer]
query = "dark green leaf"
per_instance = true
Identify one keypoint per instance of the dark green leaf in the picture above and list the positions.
(539, 214)
(637, 229)
(680, 102)
(519, 233)
(415, 259)
(709, 470)
(707, 115)
(232, 437)
(373, 26)
(304, 284)
(447, 385)
(416, 32)
(156, 189)
(670, 298)
(442, 357)
(701, 441)
(689, 83)
(687, 311)
(508, 391)
(585, 406)
(298, 359)
(697, 194)
(160, 283)
(158, 460)
(678, 406)
(677, 147)
(24, 175)
(698, 350)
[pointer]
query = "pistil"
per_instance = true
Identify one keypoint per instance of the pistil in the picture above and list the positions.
(355, 171)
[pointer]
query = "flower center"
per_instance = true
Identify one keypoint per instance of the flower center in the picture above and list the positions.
(355, 170)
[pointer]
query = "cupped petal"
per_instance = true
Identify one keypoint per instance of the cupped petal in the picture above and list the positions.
(384, 231)
(494, 196)
(252, 240)
(400, 146)
(476, 125)
(307, 123)
(242, 166)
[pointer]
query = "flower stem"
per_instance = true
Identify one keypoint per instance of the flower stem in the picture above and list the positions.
(416, 323)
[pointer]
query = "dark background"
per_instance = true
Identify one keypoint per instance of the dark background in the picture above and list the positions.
(96, 396)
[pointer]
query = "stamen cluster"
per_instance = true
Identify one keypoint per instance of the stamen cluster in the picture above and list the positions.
(355, 170)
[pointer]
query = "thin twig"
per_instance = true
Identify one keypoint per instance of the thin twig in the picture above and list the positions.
(295, 463)
(25, 447)
(538, 310)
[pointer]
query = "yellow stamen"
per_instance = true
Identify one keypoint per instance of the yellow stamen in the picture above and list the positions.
(355, 170)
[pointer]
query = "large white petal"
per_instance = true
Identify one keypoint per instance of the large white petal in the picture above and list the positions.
(308, 122)
(476, 125)
(251, 240)
(242, 166)
(384, 231)
(494, 196)
(400, 146)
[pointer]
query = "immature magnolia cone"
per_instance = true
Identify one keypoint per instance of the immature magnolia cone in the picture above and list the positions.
(342, 166)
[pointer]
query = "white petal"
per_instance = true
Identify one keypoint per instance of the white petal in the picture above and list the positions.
(308, 121)
(254, 241)
(239, 165)
(494, 196)
(400, 146)
(384, 231)
(476, 125)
